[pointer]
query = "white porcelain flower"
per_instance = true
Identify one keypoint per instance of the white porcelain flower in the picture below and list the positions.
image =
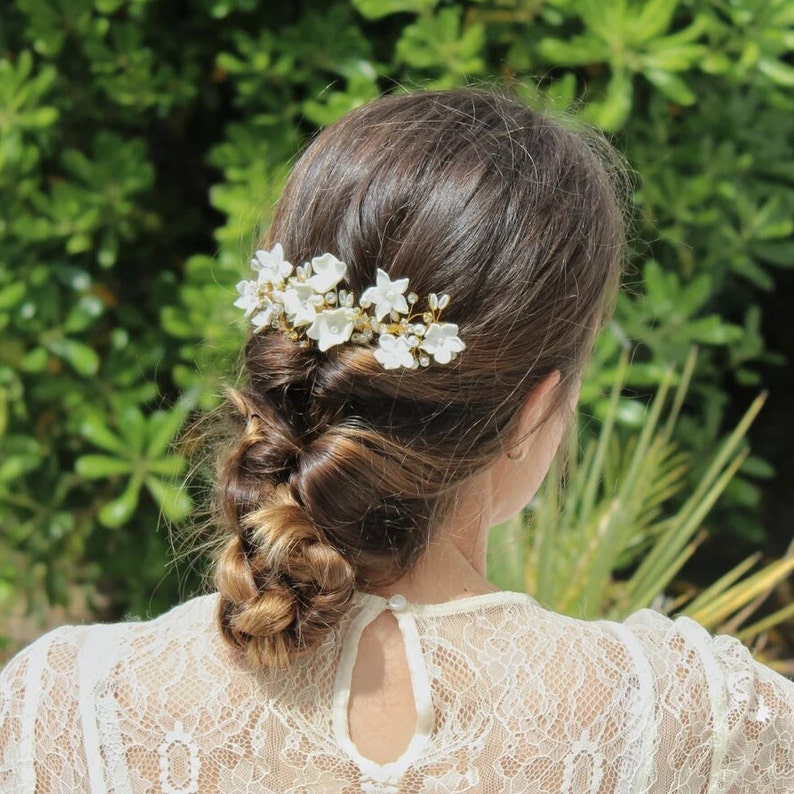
(264, 317)
(251, 296)
(271, 265)
(387, 296)
(332, 327)
(297, 303)
(394, 352)
(327, 272)
(442, 342)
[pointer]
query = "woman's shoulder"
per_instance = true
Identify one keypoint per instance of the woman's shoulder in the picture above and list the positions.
(685, 692)
(74, 664)
(80, 652)
(673, 660)
(646, 633)
(661, 640)
(677, 650)
(62, 684)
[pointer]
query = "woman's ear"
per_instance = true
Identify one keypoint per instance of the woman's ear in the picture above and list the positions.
(535, 411)
(538, 404)
(516, 477)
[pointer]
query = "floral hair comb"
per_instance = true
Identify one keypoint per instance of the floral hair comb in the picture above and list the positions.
(305, 303)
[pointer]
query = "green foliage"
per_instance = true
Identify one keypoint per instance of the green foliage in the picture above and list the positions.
(142, 148)
(138, 453)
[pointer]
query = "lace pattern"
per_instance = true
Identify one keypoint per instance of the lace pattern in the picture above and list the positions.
(510, 698)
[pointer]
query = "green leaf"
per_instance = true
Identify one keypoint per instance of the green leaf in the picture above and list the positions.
(12, 467)
(11, 296)
(94, 430)
(672, 86)
(133, 427)
(35, 360)
(164, 426)
(605, 19)
(695, 294)
(631, 413)
(656, 285)
(336, 104)
(611, 112)
(108, 6)
(376, 9)
(779, 253)
(119, 511)
(83, 314)
(82, 358)
(775, 229)
(713, 330)
(654, 19)
(171, 466)
(579, 51)
(98, 467)
(439, 41)
(777, 71)
(173, 500)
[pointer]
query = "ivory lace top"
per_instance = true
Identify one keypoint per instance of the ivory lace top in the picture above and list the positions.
(509, 698)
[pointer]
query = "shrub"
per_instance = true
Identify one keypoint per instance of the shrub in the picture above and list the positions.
(142, 142)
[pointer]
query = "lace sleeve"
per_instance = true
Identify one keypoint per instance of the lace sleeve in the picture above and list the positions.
(41, 742)
(754, 709)
(725, 723)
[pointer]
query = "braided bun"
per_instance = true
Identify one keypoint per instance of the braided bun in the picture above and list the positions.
(339, 471)
(298, 475)
(282, 584)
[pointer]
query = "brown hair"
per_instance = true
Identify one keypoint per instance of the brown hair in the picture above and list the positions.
(340, 470)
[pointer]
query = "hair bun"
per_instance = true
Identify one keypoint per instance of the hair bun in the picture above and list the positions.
(282, 584)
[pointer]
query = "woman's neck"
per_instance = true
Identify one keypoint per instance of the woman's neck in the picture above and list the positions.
(442, 574)
(454, 564)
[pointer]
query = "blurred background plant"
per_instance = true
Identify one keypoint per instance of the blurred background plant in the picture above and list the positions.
(143, 145)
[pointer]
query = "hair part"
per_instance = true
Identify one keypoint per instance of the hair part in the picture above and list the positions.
(339, 471)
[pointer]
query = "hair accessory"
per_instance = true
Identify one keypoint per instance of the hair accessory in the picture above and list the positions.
(306, 303)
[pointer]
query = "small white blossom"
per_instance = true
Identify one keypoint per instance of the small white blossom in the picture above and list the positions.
(251, 296)
(327, 272)
(394, 352)
(298, 305)
(388, 296)
(332, 327)
(442, 342)
(264, 318)
(271, 265)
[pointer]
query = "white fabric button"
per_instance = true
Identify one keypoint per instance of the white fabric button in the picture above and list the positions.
(396, 603)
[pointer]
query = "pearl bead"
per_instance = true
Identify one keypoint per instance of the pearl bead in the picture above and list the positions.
(396, 603)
